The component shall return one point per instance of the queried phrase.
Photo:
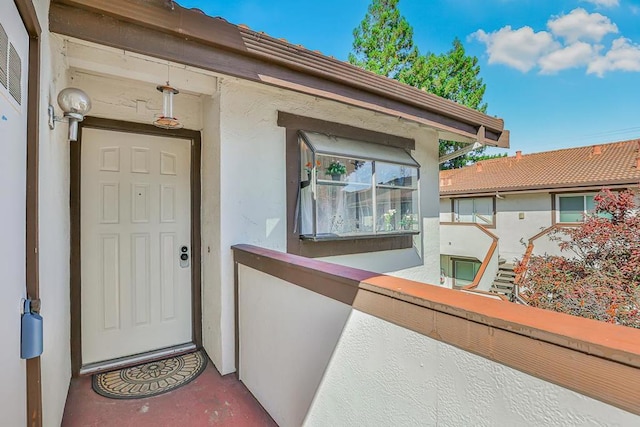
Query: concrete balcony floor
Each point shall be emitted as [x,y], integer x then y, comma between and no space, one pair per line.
[209,400]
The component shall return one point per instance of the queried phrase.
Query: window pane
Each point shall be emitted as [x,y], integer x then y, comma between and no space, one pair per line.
[344,169]
[464,210]
[396,175]
[397,209]
[483,210]
[465,272]
[571,208]
[344,209]
[591,207]
[306,195]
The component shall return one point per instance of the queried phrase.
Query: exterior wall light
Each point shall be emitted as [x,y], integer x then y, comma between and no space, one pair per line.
[166,120]
[75,104]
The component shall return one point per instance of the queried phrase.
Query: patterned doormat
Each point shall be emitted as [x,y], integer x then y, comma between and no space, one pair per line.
[150,379]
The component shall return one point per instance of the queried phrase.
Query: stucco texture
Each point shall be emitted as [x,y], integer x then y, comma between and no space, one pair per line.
[384,375]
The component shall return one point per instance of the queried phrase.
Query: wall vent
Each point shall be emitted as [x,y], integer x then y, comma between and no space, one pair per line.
[15,74]
[4,50]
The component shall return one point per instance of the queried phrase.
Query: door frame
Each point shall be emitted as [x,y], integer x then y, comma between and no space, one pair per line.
[75,207]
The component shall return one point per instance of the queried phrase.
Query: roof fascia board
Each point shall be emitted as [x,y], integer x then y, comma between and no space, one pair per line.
[560,188]
[266,60]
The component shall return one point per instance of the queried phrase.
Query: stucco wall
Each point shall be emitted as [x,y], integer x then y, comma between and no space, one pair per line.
[288,334]
[536,208]
[54,235]
[252,193]
[383,374]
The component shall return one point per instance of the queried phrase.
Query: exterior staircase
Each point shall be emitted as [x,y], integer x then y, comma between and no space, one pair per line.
[503,284]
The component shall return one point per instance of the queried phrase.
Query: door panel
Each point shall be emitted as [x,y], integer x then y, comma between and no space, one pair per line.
[135,218]
[14,48]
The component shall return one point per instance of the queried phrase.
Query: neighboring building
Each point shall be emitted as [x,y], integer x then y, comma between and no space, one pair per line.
[516,198]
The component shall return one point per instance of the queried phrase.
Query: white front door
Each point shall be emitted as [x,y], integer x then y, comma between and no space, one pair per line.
[135,226]
[14,53]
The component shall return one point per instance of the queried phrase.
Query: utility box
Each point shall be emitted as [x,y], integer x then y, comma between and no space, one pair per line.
[31,334]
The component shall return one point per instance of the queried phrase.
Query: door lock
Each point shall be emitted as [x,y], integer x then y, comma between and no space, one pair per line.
[184,256]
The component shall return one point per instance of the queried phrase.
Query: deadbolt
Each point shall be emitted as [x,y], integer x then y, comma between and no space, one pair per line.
[184,256]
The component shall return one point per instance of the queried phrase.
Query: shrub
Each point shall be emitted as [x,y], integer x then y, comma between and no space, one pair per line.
[601,280]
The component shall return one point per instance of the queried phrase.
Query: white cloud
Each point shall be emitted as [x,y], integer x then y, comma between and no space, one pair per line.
[581,25]
[573,40]
[572,56]
[604,3]
[624,55]
[519,48]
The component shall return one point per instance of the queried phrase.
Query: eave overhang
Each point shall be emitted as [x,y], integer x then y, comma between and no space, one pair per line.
[547,188]
[164,30]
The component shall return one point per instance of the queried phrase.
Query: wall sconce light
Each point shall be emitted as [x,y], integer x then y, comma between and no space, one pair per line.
[75,104]
[166,120]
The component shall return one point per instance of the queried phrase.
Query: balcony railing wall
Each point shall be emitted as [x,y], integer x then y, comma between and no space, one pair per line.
[322,344]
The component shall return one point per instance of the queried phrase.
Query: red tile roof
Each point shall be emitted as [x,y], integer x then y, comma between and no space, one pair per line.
[595,165]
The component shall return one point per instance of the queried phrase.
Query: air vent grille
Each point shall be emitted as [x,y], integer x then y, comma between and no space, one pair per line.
[15,74]
[4,45]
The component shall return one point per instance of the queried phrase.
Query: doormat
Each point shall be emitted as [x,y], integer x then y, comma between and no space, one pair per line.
[150,379]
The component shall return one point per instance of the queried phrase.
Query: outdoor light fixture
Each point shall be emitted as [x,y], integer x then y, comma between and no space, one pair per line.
[166,119]
[75,103]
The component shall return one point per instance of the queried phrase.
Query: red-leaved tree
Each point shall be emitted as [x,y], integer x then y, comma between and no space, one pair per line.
[600,277]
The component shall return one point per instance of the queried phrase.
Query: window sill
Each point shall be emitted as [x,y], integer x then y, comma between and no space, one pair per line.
[320,246]
[380,235]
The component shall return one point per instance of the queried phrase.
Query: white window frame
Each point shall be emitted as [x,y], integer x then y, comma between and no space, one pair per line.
[375,153]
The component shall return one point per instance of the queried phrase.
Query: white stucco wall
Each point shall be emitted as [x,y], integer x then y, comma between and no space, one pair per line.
[211,249]
[288,335]
[383,374]
[252,193]
[536,208]
[54,234]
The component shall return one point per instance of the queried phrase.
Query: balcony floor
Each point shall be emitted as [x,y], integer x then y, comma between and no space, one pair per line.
[209,400]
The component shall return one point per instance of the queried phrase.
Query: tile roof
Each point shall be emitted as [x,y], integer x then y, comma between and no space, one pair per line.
[594,165]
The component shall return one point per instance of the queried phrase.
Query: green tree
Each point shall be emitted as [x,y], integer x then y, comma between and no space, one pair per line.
[452,75]
[383,42]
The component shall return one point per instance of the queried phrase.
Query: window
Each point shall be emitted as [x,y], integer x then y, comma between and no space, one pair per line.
[352,188]
[479,210]
[464,271]
[573,207]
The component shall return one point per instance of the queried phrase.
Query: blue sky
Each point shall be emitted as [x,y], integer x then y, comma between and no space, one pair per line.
[561,73]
